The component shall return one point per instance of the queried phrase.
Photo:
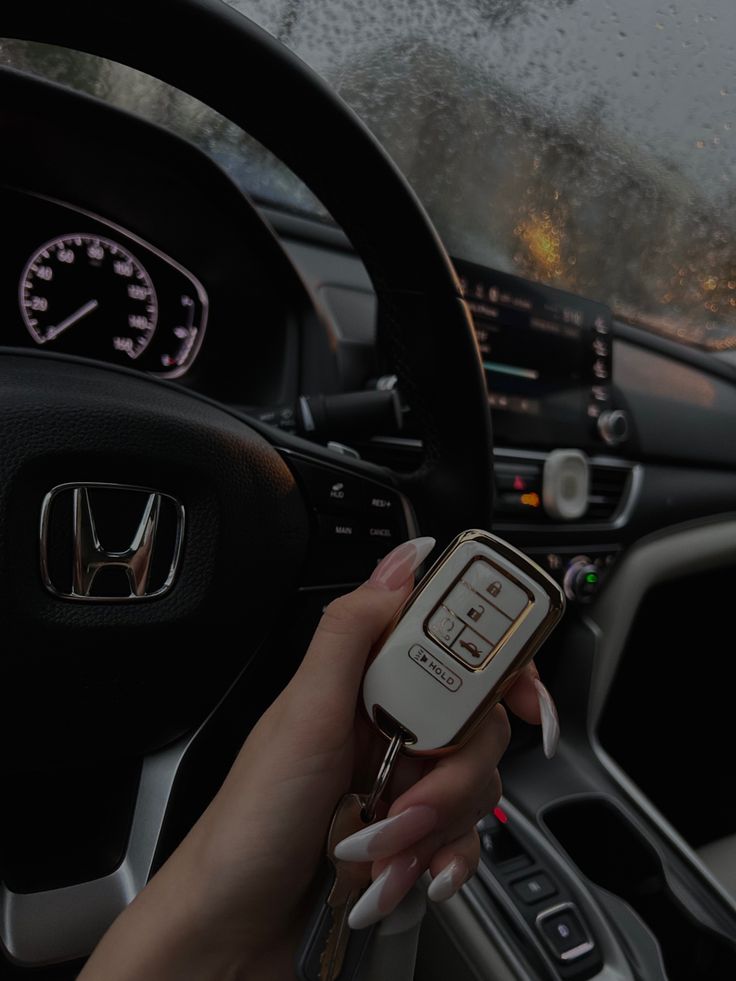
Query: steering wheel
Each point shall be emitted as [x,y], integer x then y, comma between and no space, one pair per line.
[70,424]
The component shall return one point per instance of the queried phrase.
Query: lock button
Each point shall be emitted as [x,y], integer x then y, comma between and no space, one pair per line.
[488,582]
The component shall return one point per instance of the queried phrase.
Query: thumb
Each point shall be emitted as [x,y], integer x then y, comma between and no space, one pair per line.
[329,677]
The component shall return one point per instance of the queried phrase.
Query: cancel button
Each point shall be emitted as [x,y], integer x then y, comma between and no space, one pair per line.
[436,668]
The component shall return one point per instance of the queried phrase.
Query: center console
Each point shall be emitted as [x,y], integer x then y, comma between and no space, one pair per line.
[585,873]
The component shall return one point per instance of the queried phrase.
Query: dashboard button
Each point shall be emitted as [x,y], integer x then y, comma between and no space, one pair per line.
[337,492]
[382,533]
[520,479]
[613,426]
[339,528]
[383,503]
[331,490]
[534,888]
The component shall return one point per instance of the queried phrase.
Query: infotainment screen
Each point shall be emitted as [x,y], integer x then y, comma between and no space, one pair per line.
[546,356]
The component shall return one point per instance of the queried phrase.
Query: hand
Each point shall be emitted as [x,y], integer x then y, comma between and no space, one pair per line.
[232,900]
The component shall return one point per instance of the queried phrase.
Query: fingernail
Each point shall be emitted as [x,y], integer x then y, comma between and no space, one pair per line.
[395,568]
[447,882]
[385,894]
[550,720]
[389,836]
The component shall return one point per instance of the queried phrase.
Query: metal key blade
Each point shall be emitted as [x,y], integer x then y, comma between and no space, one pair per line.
[351,878]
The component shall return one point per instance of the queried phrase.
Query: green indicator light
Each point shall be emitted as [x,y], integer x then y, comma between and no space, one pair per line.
[592,578]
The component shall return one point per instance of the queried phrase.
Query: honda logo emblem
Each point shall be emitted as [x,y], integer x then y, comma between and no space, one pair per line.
[110,542]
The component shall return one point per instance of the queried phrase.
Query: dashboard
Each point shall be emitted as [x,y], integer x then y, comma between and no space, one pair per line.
[546,355]
[134,248]
[86,286]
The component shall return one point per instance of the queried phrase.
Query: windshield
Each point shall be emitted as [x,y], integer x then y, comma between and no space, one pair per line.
[586,144]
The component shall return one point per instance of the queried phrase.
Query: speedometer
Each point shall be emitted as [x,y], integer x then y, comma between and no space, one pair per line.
[88,295]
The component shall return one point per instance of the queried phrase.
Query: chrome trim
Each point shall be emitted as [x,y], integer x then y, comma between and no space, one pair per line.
[307,417]
[63,924]
[89,557]
[570,955]
[198,287]
[667,556]
[343,449]
[58,925]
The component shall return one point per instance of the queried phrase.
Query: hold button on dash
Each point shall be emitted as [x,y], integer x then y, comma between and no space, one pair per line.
[435,668]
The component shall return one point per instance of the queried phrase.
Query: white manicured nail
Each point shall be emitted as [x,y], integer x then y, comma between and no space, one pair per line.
[550,720]
[447,882]
[385,893]
[395,568]
[388,837]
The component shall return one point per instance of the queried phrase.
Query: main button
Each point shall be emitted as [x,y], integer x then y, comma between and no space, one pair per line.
[488,581]
[477,612]
[336,528]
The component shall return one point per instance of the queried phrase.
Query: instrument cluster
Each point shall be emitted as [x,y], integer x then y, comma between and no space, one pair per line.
[88,287]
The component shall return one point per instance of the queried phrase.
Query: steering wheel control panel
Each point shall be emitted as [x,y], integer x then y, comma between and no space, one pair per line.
[357,522]
[460,640]
[547,360]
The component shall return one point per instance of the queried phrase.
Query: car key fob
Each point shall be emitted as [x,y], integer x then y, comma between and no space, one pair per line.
[459,642]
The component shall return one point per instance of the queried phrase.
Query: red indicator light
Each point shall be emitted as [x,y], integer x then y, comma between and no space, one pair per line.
[498,812]
[519,483]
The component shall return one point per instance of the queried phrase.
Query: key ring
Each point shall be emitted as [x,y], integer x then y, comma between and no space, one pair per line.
[382,777]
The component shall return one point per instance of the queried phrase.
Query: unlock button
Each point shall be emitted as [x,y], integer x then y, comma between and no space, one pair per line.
[477,613]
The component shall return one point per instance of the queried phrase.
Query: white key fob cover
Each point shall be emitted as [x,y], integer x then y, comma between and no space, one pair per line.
[459,642]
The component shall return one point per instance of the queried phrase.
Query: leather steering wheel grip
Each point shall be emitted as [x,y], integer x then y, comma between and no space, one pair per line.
[214,53]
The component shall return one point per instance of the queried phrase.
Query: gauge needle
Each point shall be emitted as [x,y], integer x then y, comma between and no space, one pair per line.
[72,319]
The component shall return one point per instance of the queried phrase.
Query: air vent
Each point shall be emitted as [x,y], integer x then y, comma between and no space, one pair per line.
[608,486]
[519,481]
